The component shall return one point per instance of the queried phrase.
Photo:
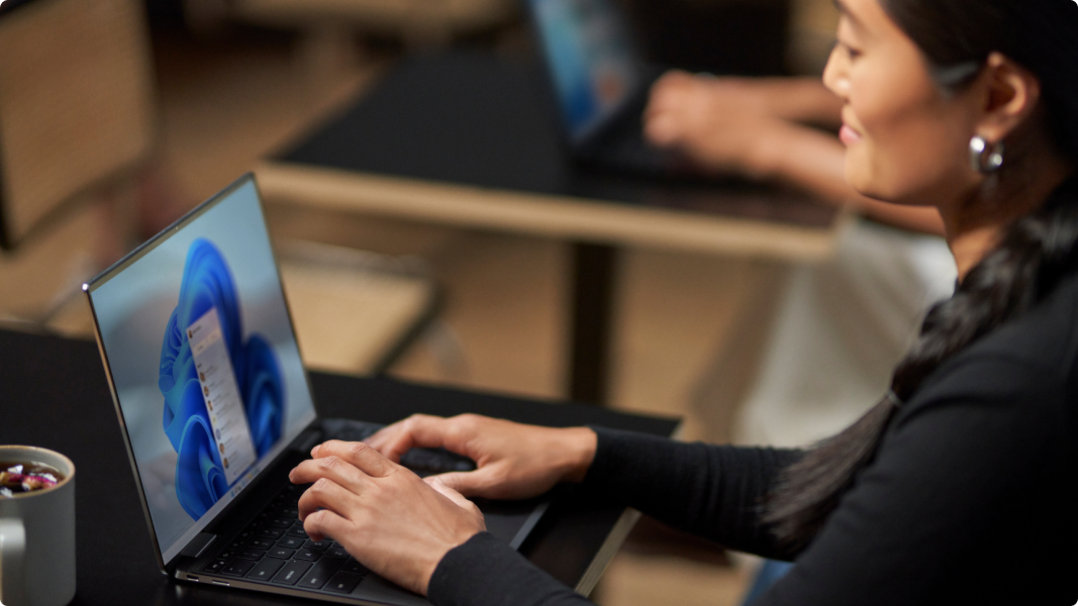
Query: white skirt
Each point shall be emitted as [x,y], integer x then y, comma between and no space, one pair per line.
[838,331]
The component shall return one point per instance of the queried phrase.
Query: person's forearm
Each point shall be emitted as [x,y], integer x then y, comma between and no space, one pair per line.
[708,490]
[802,99]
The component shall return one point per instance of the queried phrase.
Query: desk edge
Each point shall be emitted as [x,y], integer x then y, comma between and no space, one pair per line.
[540,214]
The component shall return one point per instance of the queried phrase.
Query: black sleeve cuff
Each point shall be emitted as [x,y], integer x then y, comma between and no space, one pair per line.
[485,570]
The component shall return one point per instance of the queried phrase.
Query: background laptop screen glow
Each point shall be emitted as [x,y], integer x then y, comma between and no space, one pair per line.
[204,362]
[590,57]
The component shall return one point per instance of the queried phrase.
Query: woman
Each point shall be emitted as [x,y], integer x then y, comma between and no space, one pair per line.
[957,487]
[857,311]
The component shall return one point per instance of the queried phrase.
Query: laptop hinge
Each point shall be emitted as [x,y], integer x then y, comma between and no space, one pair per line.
[198,545]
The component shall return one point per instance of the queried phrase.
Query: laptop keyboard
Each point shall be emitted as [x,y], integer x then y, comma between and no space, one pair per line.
[423,461]
[274,548]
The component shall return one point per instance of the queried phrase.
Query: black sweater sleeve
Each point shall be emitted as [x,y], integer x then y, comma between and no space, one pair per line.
[709,490]
[487,571]
[715,492]
[969,500]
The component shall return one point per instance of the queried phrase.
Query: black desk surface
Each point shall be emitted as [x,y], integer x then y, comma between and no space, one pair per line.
[488,120]
[54,395]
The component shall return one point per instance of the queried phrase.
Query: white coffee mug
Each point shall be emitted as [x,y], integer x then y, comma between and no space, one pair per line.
[37,534]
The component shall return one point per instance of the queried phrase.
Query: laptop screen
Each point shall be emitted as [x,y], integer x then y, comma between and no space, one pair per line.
[203,361]
[591,60]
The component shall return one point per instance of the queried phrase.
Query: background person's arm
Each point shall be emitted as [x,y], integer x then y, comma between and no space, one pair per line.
[767,129]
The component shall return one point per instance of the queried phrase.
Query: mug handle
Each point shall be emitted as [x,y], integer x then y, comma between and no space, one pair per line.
[12,554]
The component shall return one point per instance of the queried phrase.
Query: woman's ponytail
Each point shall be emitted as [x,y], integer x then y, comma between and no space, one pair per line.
[1035,254]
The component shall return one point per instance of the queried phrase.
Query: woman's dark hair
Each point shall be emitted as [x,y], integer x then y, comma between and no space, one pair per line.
[1034,254]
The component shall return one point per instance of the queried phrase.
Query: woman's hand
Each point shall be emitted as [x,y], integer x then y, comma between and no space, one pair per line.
[719,124]
[513,461]
[383,514]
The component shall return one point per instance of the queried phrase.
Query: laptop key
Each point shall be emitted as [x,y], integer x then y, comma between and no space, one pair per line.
[319,574]
[319,546]
[355,566]
[291,542]
[308,555]
[280,553]
[344,582]
[250,554]
[271,534]
[264,570]
[237,568]
[290,573]
[281,524]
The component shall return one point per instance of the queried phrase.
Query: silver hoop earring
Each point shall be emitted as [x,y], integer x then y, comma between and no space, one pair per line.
[985,158]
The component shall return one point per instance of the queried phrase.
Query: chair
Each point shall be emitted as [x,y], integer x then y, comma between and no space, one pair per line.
[354,310]
[418,22]
[76,111]
[77,118]
[328,28]
[79,133]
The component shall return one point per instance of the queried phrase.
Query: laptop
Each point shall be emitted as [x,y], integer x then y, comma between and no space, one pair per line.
[215,408]
[601,86]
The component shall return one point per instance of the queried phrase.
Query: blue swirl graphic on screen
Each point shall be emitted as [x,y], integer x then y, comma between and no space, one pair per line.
[207,284]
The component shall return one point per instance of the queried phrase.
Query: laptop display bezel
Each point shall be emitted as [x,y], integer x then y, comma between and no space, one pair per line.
[588,132]
[166,556]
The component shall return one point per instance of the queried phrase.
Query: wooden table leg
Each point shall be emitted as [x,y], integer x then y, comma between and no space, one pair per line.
[594,280]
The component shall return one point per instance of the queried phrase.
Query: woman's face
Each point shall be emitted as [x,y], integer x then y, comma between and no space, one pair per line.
[906,139]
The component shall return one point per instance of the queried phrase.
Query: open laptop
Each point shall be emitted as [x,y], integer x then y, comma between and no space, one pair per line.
[215,406]
[601,85]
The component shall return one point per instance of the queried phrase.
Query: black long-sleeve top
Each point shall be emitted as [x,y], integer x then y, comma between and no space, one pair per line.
[971,498]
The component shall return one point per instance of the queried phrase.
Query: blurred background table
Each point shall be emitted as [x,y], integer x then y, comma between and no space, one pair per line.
[469,139]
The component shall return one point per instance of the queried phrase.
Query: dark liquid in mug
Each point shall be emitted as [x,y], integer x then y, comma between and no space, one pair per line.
[17,477]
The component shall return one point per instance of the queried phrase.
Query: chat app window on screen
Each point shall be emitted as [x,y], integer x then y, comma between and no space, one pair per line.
[231,432]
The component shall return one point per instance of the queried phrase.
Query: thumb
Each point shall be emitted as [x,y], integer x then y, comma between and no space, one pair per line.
[449,492]
[459,482]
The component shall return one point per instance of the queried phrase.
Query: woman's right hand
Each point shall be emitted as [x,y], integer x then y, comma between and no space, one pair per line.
[513,461]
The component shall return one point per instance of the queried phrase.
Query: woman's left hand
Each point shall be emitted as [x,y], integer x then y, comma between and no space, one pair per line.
[389,519]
